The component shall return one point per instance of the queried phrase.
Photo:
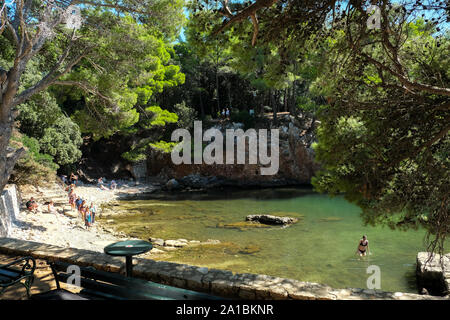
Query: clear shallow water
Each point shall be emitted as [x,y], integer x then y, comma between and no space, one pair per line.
[319,248]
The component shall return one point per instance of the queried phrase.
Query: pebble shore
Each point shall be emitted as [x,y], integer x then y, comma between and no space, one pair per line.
[66,228]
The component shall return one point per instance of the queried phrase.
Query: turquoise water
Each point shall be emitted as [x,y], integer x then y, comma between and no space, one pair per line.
[319,248]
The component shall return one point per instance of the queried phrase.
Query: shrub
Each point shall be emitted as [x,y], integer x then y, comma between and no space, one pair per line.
[62,141]
[33,168]
[244,117]
[186,115]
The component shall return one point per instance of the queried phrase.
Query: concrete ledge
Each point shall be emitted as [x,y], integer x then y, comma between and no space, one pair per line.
[217,282]
[9,209]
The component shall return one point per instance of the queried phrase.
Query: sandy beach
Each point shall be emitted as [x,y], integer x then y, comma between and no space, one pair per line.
[66,228]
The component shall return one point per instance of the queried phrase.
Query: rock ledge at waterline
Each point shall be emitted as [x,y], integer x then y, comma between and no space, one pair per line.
[269,219]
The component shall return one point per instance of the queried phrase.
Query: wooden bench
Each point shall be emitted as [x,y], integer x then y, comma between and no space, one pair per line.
[10,274]
[101,285]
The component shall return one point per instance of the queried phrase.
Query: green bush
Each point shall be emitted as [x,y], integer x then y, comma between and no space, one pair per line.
[34,168]
[62,141]
[244,117]
[186,115]
[33,153]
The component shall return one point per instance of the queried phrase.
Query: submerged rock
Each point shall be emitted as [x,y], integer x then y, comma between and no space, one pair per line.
[242,225]
[250,249]
[269,219]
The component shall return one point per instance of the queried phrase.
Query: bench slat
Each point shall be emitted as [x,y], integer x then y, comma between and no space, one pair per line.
[116,292]
[140,284]
[10,273]
[4,279]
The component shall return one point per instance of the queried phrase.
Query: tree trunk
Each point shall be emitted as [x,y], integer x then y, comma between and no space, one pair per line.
[217,92]
[202,109]
[229,94]
[8,156]
[274,107]
[292,106]
[5,171]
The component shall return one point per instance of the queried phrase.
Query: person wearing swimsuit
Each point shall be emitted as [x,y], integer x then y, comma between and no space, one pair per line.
[363,246]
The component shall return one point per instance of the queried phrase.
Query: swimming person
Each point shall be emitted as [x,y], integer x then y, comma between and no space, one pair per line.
[363,246]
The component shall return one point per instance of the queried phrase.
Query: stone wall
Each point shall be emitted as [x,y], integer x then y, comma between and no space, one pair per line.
[217,282]
[9,209]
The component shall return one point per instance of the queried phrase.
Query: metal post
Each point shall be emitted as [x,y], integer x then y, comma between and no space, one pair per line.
[129,266]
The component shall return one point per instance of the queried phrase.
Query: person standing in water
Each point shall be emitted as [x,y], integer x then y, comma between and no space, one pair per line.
[363,246]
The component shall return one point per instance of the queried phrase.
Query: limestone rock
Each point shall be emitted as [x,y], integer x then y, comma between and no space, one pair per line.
[157,241]
[269,219]
[156,251]
[174,243]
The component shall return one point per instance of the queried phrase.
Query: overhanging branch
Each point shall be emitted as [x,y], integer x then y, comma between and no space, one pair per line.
[249,11]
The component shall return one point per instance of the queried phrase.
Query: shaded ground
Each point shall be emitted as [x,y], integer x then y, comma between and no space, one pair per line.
[43,281]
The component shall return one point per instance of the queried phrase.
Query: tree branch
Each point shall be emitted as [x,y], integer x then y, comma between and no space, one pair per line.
[249,11]
[113,6]
[405,81]
[86,87]
[255,28]
[49,78]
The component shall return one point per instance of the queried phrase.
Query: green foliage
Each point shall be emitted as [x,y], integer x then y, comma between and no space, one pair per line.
[62,141]
[159,117]
[34,167]
[33,150]
[153,118]
[163,146]
[386,148]
[42,120]
[127,67]
[186,115]
[38,113]
[307,104]
[244,117]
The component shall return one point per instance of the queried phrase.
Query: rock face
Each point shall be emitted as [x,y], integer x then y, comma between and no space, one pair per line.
[9,209]
[269,219]
[433,275]
[296,159]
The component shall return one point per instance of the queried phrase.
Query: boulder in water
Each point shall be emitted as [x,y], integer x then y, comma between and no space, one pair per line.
[269,219]
[172,184]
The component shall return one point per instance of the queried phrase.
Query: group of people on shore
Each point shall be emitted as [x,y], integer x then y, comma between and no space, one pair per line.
[101,184]
[86,212]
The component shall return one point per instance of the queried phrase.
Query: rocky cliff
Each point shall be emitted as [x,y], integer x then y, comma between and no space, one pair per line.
[296,159]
